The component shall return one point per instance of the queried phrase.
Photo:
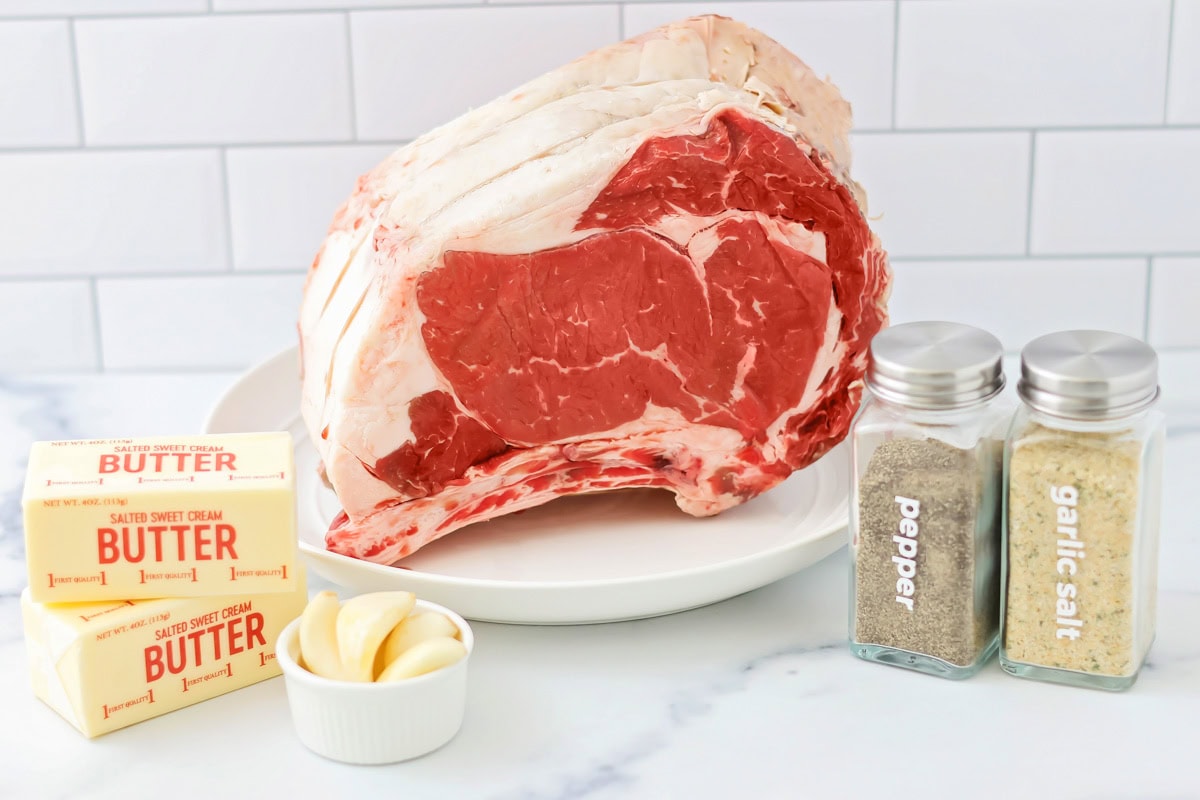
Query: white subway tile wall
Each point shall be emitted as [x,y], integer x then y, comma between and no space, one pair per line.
[416,69]
[208,322]
[1021,63]
[282,198]
[49,325]
[300,5]
[177,80]
[1183,103]
[168,167]
[1175,303]
[1127,191]
[848,41]
[996,296]
[46,8]
[89,212]
[37,85]
[946,194]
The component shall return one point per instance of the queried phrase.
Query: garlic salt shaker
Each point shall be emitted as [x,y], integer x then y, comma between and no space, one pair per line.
[1083,467]
[925,500]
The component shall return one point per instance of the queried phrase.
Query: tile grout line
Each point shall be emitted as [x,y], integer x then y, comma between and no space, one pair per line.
[992,257]
[226,197]
[65,277]
[151,147]
[978,258]
[94,291]
[1029,193]
[350,76]
[135,372]
[620,22]
[1146,304]
[77,77]
[397,142]
[1170,48]
[233,369]
[1130,128]
[337,9]
[895,57]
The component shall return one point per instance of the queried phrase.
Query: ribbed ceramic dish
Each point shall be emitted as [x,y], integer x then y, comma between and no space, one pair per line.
[375,723]
[597,558]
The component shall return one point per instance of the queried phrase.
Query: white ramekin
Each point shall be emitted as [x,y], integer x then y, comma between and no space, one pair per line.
[375,723]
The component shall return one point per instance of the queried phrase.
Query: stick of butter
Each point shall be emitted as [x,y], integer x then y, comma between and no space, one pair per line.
[103,666]
[183,516]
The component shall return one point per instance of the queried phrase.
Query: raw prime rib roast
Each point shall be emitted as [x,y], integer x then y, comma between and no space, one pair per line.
[647,268]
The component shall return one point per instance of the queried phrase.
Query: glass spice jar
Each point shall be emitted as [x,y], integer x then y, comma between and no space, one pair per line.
[1083,471]
[925,500]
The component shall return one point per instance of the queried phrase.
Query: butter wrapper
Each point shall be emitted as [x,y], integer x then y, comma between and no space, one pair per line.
[181,516]
[104,666]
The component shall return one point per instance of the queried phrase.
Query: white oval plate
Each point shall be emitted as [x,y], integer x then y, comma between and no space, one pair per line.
[595,558]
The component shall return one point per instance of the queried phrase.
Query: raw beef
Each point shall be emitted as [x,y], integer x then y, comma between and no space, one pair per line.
[648,268]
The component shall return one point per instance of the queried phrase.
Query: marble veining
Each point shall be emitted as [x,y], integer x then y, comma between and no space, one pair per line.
[34,410]
[754,697]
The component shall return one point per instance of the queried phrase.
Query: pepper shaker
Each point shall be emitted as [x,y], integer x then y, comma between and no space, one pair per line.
[925,510]
[1083,467]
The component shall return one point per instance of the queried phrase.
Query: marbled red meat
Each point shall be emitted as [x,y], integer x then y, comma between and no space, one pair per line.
[646,269]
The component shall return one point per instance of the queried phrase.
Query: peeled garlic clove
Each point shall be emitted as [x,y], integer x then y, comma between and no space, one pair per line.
[318,639]
[413,629]
[422,657]
[362,625]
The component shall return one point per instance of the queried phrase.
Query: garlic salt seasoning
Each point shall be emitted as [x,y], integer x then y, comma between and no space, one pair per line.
[925,507]
[1083,466]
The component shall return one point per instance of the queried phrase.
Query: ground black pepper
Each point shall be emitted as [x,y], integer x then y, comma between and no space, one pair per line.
[954,611]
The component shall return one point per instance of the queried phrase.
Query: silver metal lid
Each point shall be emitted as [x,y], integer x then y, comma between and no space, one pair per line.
[935,365]
[1088,375]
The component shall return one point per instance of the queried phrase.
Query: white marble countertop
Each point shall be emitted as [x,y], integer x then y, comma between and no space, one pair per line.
[754,697]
